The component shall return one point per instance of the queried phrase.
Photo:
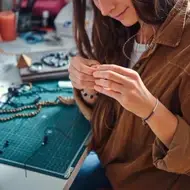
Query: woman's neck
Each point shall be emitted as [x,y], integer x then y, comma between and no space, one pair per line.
[145,33]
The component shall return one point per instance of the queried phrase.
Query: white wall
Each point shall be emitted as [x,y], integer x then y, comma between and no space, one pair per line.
[7,4]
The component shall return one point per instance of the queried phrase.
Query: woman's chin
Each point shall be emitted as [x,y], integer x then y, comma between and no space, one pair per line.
[128,23]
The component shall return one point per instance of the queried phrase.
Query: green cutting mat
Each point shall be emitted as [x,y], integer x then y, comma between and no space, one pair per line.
[67,132]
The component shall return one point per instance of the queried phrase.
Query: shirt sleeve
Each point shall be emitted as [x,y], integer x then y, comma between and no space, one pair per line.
[176,158]
[85,109]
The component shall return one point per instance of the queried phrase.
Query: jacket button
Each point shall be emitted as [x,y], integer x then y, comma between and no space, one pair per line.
[137,65]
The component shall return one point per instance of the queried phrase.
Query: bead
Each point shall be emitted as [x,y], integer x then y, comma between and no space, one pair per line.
[6,144]
[45,140]
[37,106]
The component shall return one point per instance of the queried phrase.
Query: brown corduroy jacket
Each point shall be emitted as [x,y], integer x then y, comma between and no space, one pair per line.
[145,163]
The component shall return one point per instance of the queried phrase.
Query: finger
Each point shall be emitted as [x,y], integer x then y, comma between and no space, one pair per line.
[81,65]
[73,78]
[118,69]
[115,77]
[88,62]
[80,76]
[108,92]
[110,75]
[75,85]
[82,84]
[116,87]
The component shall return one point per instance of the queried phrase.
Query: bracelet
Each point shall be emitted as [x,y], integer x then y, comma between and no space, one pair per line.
[91,96]
[144,121]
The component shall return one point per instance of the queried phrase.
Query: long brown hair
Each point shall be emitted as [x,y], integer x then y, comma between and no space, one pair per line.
[108,38]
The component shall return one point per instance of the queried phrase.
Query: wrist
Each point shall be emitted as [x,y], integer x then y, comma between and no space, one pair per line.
[163,123]
[151,108]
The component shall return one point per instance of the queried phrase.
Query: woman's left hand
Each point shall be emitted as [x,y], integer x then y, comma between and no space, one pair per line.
[126,86]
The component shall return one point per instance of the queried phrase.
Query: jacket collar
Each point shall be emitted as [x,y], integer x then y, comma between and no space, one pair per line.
[170,32]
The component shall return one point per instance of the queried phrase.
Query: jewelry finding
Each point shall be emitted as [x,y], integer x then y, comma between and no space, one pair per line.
[36,67]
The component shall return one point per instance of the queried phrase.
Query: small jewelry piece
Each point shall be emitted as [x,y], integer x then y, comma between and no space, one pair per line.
[58,59]
[144,121]
[132,37]
[91,96]
[36,67]
[6,144]
[45,140]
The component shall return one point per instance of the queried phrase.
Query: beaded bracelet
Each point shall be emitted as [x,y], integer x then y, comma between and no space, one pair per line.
[144,121]
[91,96]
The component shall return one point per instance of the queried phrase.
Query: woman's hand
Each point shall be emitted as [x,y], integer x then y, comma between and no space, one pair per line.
[81,73]
[126,86]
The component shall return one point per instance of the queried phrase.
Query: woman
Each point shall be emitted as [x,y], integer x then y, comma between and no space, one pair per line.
[133,84]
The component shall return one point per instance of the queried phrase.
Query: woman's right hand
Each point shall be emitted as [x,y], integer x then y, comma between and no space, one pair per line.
[81,73]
